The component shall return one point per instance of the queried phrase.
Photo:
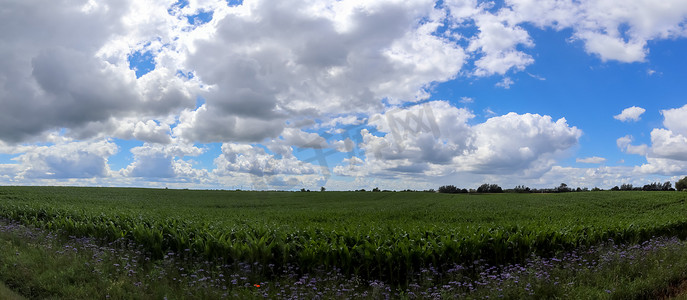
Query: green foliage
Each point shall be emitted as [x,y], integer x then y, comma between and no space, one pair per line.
[681,184]
[489,188]
[376,235]
[451,189]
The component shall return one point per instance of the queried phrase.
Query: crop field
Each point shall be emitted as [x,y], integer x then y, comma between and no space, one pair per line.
[389,236]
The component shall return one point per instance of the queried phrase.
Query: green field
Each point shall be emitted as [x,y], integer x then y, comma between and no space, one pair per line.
[382,235]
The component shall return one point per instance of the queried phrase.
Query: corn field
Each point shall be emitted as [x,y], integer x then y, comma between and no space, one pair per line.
[374,235]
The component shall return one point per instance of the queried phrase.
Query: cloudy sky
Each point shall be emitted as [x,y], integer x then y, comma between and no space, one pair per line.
[344,94]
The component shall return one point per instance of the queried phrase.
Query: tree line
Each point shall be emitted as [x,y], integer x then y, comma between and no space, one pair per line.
[680,185]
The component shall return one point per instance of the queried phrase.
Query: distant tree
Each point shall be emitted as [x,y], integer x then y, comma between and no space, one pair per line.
[626,187]
[615,188]
[322,189]
[448,189]
[303,190]
[596,189]
[483,188]
[681,185]
[563,188]
[521,189]
[489,188]
[376,189]
[667,186]
[657,186]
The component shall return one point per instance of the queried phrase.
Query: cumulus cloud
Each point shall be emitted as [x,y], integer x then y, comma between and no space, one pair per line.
[625,144]
[591,160]
[157,161]
[260,64]
[295,59]
[630,114]
[435,139]
[256,167]
[612,30]
[667,154]
[66,160]
[674,120]
[55,72]
[246,158]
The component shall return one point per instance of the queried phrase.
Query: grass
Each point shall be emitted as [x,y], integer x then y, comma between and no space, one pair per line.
[8,294]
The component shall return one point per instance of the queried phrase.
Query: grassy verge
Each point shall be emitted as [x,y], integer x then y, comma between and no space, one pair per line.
[41,265]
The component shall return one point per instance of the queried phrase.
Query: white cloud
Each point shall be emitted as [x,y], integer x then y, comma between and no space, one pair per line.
[662,166]
[245,158]
[281,61]
[598,24]
[667,154]
[466,100]
[165,162]
[435,139]
[674,120]
[505,83]
[625,144]
[630,114]
[253,166]
[668,144]
[66,160]
[259,65]
[591,160]
[64,66]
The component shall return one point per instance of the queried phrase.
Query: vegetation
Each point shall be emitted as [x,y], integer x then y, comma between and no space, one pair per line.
[681,184]
[489,188]
[451,189]
[372,236]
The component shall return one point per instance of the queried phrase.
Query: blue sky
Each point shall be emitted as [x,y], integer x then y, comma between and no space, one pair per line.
[343,94]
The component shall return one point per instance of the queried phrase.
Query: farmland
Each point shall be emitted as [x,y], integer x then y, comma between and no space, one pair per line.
[385,236]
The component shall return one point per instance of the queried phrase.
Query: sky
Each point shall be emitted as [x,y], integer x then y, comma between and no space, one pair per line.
[350,94]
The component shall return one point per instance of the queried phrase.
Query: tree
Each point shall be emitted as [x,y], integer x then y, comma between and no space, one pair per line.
[376,189]
[626,187]
[489,188]
[521,189]
[449,189]
[322,189]
[615,188]
[681,185]
[563,188]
